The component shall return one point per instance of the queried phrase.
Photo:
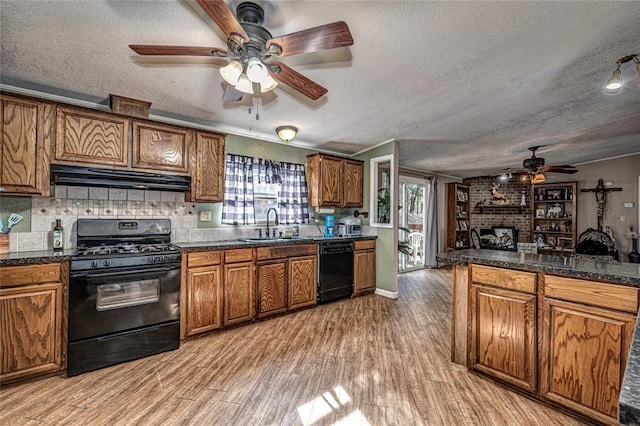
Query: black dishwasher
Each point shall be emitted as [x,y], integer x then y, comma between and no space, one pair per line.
[336,270]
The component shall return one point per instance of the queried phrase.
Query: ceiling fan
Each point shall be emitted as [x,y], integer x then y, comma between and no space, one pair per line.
[535,167]
[251,49]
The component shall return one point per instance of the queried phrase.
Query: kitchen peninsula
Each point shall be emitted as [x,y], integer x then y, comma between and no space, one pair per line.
[556,328]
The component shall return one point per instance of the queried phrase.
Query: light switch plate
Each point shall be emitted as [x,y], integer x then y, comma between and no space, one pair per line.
[205,216]
[628,205]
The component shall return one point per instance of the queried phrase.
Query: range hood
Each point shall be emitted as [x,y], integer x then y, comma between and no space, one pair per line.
[94,176]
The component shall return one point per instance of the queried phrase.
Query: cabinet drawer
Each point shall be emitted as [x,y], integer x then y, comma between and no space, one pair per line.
[238,255]
[278,252]
[203,258]
[612,296]
[504,278]
[364,245]
[29,274]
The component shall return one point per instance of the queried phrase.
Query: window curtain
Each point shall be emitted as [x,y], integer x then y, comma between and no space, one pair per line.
[432,237]
[293,199]
[268,171]
[237,207]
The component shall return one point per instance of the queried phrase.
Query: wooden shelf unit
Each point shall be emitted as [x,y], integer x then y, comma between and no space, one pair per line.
[458,216]
[553,217]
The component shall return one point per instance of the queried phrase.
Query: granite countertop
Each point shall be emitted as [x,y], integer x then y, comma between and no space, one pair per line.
[45,256]
[629,401]
[617,272]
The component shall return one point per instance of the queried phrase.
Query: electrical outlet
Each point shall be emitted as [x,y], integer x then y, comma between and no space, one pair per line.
[623,218]
[205,216]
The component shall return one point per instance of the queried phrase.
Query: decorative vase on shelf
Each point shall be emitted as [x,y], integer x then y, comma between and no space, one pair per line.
[634,256]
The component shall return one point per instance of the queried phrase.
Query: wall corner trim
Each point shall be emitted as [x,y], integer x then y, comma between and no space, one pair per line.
[387,293]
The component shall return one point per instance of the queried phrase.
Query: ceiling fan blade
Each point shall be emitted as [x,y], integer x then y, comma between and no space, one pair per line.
[223,17]
[151,49]
[302,84]
[560,169]
[231,94]
[324,37]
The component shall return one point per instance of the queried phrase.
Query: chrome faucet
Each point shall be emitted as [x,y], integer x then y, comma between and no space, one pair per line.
[275,223]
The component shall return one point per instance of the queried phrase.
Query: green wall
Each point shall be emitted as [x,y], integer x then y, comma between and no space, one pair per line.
[386,255]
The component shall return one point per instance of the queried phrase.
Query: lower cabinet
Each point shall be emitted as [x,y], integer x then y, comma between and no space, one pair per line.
[364,267]
[272,287]
[203,292]
[33,302]
[239,288]
[503,339]
[585,346]
[303,281]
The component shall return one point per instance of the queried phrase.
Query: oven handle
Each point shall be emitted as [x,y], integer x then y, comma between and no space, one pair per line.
[116,274]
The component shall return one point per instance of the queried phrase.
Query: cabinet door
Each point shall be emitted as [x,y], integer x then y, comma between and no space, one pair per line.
[238,293]
[503,335]
[207,183]
[303,282]
[31,331]
[584,355]
[91,137]
[353,182]
[272,288]
[204,299]
[330,189]
[25,145]
[364,271]
[158,147]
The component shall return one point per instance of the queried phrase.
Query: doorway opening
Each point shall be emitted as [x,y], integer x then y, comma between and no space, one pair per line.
[411,223]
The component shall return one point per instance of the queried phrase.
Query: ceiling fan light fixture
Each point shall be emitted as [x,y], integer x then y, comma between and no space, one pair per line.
[231,72]
[256,70]
[538,178]
[267,84]
[287,133]
[245,85]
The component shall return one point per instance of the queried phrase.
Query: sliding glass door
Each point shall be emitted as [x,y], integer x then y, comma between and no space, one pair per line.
[411,236]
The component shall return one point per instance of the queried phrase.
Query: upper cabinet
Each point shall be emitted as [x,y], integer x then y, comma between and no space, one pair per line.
[161,147]
[334,181]
[207,182]
[86,136]
[25,144]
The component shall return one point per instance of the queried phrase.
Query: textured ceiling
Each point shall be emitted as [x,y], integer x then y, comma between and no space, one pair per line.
[465,87]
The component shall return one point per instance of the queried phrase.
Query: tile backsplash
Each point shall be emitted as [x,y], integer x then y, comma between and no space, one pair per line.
[71,203]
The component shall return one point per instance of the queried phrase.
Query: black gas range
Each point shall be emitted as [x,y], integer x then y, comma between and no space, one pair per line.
[124,292]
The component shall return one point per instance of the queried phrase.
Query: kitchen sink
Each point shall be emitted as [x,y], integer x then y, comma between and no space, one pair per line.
[274,240]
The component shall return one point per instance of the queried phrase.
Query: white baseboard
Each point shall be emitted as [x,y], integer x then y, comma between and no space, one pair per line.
[387,293]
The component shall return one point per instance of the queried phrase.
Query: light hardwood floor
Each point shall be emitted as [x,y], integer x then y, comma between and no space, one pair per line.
[364,361]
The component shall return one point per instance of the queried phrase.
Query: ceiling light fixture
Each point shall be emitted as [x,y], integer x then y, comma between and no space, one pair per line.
[256,72]
[287,133]
[615,82]
[538,178]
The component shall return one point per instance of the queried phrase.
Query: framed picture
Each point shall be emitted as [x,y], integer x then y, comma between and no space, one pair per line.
[554,194]
[506,236]
[463,225]
[540,213]
[551,241]
[555,210]
[565,243]
[539,240]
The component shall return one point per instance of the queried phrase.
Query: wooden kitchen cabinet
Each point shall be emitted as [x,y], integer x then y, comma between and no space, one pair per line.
[207,180]
[303,281]
[364,267]
[239,288]
[26,130]
[587,332]
[334,181]
[93,137]
[286,278]
[33,304]
[503,325]
[272,287]
[203,304]
[158,147]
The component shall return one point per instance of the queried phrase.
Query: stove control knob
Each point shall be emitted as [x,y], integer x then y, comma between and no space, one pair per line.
[94,263]
[106,263]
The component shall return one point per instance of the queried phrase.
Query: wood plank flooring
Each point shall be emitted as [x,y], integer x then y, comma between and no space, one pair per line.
[364,361]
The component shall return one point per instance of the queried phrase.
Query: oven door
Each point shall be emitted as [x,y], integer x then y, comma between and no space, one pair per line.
[112,301]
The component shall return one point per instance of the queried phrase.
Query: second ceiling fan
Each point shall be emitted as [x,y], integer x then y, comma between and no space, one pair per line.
[251,49]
